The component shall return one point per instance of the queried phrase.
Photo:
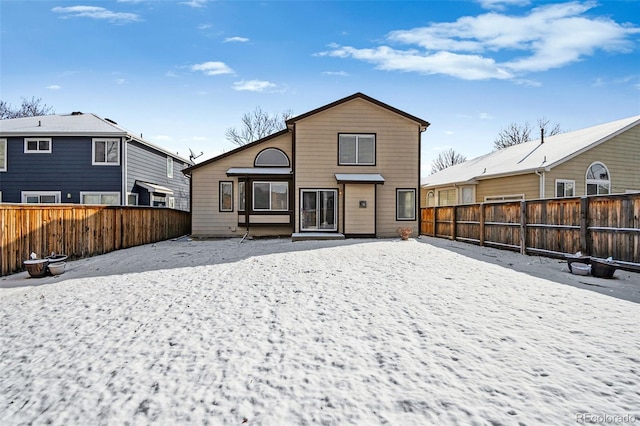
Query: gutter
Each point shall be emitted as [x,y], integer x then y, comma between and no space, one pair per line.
[124,196]
[542,181]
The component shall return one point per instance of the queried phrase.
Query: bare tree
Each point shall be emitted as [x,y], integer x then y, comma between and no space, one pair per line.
[516,134]
[28,108]
[446,159]
[257,124]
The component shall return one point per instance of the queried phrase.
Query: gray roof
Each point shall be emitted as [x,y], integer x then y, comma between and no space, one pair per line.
[531,156]
[75,124]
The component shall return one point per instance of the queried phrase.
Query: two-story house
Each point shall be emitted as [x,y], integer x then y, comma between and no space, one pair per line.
[349,168]
[84,159]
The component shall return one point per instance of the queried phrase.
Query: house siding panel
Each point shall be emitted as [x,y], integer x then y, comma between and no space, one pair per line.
[67,169]
[359,220]
[528,184]
[621,155]
[149,165]
[397,155]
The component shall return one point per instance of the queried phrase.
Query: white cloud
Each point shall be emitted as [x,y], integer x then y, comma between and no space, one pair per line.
[212,68]
[204,26]
[54,87]
[120,81]
[235,39]
[485,116]
[195,3]
[499,46]
[95,12]
[338,73]
[502,4]
[252,85]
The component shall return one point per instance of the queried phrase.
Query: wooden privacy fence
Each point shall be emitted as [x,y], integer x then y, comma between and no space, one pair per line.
[600,226]
[81,231]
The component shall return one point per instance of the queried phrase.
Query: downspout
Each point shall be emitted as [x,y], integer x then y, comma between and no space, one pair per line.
[542,182]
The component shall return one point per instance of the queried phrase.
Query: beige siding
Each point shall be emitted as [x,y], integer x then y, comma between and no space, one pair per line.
[397,156]
[621,155]
[528,184]
[359,220]
[206,218]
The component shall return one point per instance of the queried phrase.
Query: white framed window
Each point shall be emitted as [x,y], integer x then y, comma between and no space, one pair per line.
[357,149]
[108,198]
[171,202]
[598,180]
[3,155]
[406,204]
[447,197]
[158,200]
[499,198]
[169,167]
[431,199]
[565,188]
[105,152]
[41,197]
[132,199]
[271,196]
[467,195]
[37,145]
[226,196]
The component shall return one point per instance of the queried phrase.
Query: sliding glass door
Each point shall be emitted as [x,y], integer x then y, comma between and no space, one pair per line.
[319,210]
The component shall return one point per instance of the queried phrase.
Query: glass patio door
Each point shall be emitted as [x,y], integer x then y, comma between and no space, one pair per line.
[319,210]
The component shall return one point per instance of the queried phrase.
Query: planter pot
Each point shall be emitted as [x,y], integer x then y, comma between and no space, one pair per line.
[56,258]
[603,269]
[585,260]
[57,268]
[36,267]
[581,269]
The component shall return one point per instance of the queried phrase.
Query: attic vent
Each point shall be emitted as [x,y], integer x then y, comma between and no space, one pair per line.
[76,113]
[111,121]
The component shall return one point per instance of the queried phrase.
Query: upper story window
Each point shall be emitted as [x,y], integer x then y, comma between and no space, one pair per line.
[598,181]
[169,167]
[37,145]
[3,155]
[357,150]
[271,157]
[106,152]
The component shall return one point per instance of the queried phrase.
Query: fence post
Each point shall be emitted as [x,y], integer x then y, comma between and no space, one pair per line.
[584,225]
[453,225]
[523,227]
[435,221]
[482,224]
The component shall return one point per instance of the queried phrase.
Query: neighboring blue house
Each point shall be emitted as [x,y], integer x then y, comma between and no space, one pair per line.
[84,159]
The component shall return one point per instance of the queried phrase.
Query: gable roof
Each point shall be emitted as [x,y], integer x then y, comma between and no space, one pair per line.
[74,124]
[358,95]
[531,156]
[293,120]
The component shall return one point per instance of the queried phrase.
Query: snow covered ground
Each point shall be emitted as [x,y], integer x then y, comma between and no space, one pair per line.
[321,332]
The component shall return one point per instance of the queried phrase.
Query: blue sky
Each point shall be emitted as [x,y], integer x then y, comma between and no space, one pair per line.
[182,72]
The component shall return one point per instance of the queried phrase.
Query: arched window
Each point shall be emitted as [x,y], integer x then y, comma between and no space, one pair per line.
[598,180]
[271,157]
[431,199]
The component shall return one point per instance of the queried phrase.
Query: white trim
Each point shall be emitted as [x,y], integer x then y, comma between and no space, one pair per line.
[152,187]
[4,148]
[83,193]
[0,196]
[93,152]
[38,150]
[56,194]
[171,202]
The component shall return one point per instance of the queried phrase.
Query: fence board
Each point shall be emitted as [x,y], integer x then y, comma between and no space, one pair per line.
[600,226]
[81,231]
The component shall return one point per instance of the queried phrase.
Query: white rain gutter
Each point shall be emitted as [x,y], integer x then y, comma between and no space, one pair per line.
[124,198]
[542,181]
